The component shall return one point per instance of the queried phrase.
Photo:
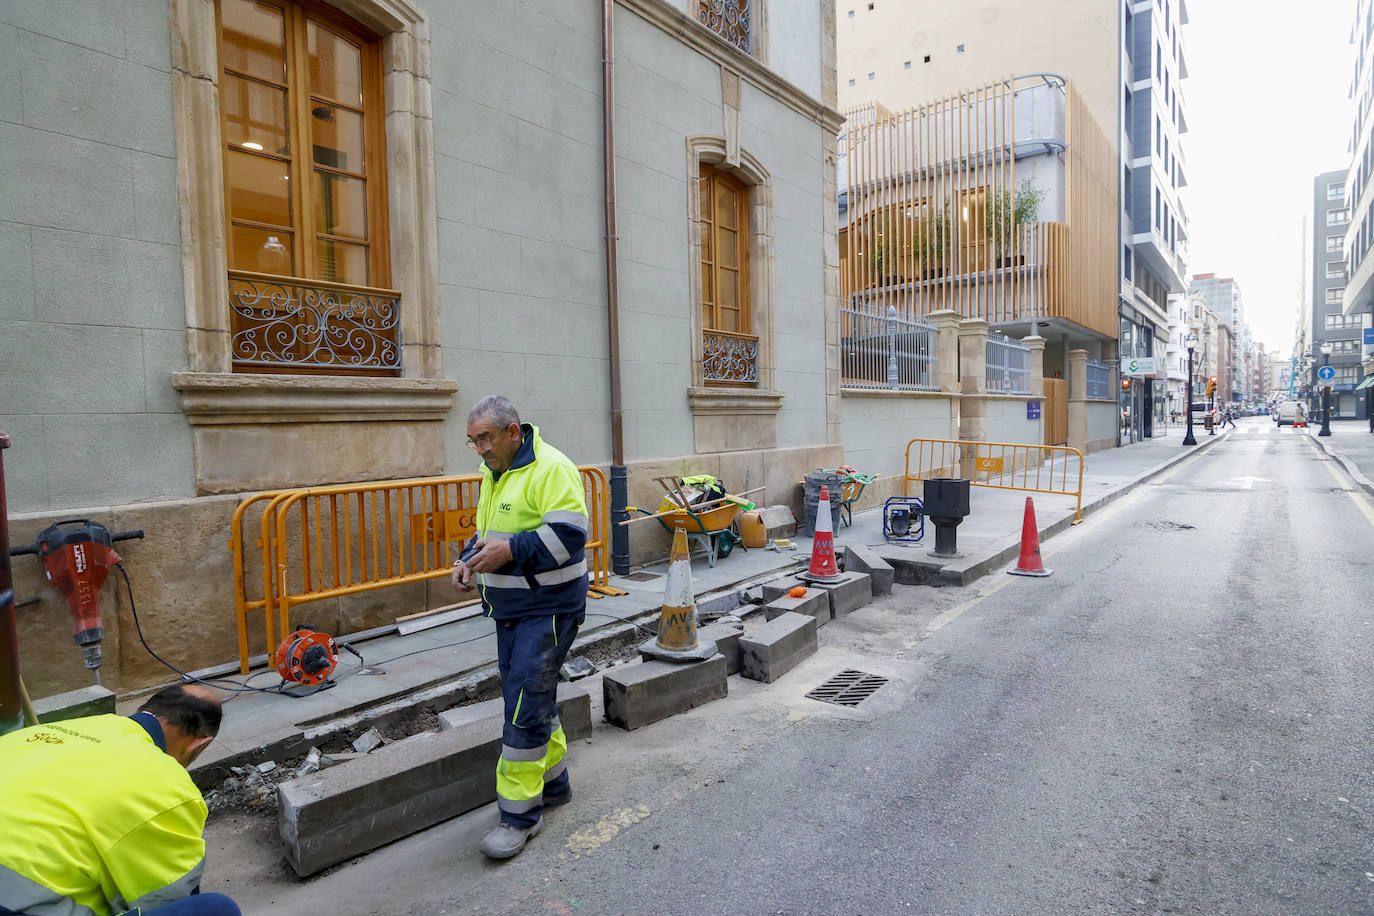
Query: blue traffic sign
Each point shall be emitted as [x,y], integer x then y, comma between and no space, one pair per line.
[1369,337]
[1326,373]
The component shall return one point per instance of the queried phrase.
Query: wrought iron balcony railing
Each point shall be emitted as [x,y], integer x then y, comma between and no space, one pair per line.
[282,323]
[729,359]
[730,19]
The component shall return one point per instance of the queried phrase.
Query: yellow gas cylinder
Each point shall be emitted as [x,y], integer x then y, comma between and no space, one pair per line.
[752,531]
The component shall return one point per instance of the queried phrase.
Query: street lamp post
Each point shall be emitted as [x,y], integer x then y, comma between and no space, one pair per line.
[1326,392]
[1188,438]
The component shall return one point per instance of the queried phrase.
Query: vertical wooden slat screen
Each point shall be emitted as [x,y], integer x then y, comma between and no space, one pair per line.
[912,173]
[1092,286]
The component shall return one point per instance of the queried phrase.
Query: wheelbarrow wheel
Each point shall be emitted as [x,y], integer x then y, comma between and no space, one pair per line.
[725,542]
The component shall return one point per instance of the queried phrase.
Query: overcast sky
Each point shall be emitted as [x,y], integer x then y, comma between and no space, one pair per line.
[1266,96]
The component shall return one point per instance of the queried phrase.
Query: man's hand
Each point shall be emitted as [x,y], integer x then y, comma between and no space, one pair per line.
[461,577]
[490,556]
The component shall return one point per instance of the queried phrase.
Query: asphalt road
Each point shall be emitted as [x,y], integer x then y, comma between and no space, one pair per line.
[1177,721]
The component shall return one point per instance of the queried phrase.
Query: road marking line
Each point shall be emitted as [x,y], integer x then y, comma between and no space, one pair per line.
[1345,483]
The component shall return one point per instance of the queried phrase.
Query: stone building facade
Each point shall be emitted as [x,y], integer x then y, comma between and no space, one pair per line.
[182,178]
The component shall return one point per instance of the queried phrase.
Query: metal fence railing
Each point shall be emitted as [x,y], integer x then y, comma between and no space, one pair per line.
[887,351]
[1099,379]
[323,542]
[1008,366]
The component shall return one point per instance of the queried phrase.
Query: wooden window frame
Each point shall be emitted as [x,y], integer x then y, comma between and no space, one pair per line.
[305,235]
[296,14]
[743,299]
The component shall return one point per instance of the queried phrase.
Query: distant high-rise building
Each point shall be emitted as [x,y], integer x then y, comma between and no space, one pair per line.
[1357,211]
[1331,325]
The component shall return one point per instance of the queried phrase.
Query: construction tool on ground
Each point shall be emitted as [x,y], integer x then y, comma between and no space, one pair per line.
[901,514]
[77,557]
[306,659]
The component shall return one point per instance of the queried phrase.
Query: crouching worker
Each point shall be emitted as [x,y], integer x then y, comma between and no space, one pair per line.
[99,816]
[529,566]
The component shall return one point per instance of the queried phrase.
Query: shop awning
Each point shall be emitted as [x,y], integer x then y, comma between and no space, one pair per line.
[1366,383]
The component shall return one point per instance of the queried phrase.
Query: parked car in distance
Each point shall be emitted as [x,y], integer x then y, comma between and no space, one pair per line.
[1287,413]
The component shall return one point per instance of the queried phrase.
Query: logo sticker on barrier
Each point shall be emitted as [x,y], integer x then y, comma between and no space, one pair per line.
[991,465]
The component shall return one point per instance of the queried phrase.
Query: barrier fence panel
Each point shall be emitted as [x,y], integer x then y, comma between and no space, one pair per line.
[324,542]
[1000,465]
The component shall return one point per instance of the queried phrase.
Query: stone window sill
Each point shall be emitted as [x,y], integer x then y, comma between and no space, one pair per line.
[234,398]
[707,401]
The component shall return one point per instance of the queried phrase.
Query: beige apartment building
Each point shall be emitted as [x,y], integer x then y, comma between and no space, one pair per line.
[907,52]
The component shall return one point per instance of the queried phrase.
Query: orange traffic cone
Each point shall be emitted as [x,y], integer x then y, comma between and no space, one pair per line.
[1030,563]
[677,625]
[823,569]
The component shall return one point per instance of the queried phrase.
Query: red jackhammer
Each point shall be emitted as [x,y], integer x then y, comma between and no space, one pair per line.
[77,556]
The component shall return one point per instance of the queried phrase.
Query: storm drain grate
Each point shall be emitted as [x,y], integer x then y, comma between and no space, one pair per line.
[848,688]
[642,577]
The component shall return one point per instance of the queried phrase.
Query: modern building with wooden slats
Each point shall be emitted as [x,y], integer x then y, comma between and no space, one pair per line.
[996,202]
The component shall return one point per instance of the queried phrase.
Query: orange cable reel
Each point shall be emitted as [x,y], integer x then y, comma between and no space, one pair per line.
[307,657]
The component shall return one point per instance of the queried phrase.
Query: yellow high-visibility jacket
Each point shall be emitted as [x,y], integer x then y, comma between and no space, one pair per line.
[95,817]
[540,506]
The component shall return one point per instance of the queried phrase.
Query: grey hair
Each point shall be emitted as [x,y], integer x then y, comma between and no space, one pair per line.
[496,408]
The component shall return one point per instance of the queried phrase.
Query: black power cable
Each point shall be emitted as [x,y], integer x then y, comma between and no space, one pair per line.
[243,686]
[238,686]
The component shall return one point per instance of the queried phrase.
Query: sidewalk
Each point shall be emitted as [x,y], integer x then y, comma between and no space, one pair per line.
[1352,445]
[433,669]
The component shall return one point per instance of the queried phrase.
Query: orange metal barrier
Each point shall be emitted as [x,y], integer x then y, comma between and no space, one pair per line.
[323,542]
[1000,465]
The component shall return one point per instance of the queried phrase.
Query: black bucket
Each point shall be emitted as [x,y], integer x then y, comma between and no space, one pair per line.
[811,496]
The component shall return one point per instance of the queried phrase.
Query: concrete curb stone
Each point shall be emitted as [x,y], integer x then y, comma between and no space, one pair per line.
[775,648]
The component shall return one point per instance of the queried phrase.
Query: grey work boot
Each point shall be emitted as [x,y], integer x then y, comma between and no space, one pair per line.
[506,840]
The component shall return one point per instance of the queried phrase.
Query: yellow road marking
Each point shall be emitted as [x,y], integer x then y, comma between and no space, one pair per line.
[589,839]
[1345,483]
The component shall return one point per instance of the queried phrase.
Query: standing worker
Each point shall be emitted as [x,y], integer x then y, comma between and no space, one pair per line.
[100,815]
[530,570]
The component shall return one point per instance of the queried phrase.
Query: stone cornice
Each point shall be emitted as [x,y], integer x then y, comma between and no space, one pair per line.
[707,400]
[675,22]
[230,398]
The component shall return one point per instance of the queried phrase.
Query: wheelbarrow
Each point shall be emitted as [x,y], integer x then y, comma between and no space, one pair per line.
[851,489]
[712,527]
[711,524]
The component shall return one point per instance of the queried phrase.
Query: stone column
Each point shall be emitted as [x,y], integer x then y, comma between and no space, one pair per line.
[1037,364]
[946,323]
[973,383]
[1078,399]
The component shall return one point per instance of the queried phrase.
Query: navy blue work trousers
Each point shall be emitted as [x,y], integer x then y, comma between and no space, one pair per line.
[529,652]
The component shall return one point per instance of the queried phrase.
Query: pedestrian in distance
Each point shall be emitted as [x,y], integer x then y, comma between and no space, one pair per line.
[528,565]
[1228,416]
[100,815]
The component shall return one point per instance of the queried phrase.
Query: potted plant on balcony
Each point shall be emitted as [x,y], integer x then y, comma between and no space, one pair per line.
[1008,218]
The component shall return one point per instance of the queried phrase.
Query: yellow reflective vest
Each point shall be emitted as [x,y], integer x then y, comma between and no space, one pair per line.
[95,818]
[540,506]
